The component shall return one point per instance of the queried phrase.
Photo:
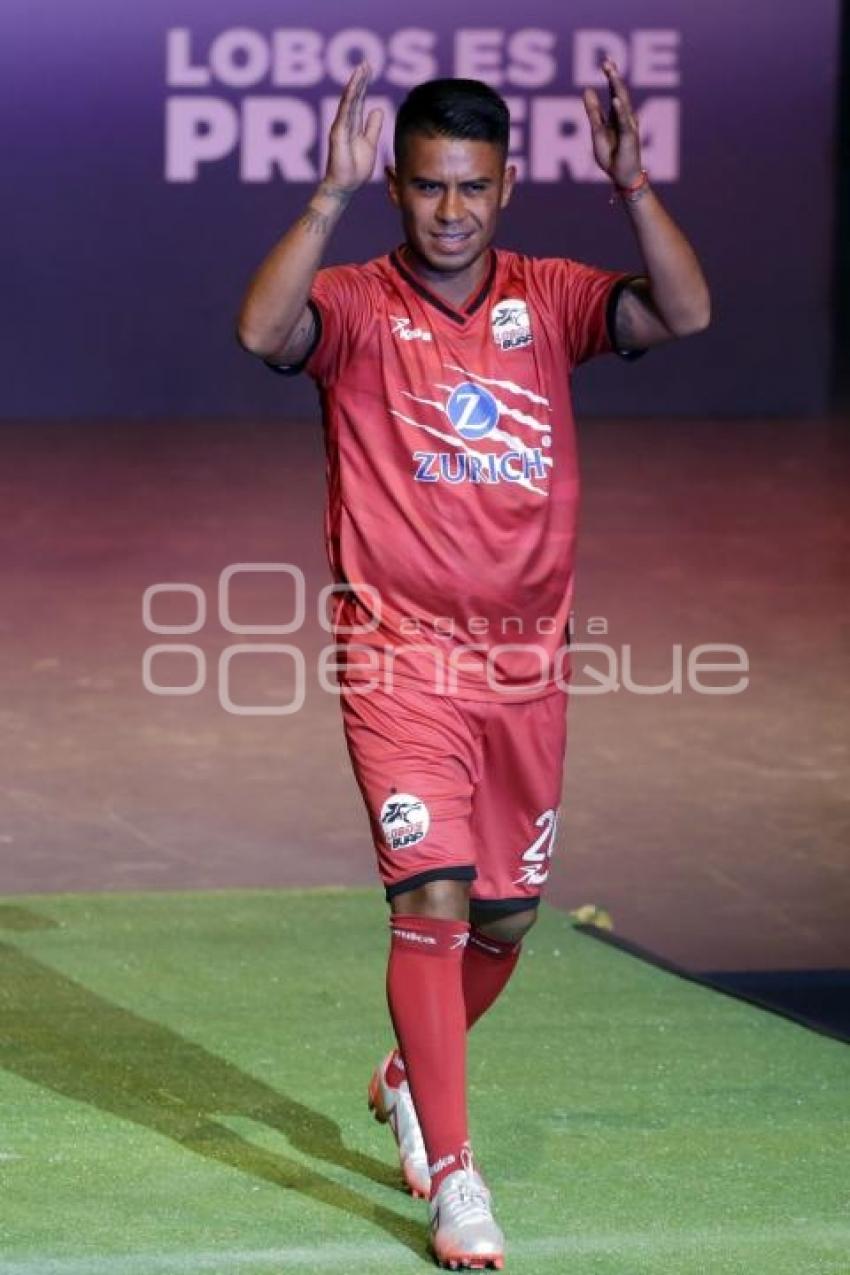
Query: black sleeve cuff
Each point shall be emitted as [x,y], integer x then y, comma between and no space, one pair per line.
[611,318]
[292,369]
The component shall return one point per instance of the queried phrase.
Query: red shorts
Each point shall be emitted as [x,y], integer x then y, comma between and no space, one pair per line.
[459,789]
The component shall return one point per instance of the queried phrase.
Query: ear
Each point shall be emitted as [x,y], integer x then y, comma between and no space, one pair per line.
[392,185]
[508,183]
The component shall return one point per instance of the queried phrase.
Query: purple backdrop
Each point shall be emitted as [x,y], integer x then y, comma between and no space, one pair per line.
[156,151]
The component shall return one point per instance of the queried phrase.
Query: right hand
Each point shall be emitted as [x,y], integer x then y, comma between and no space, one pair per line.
[353,146]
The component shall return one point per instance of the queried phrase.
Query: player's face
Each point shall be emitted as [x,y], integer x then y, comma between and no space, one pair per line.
[450,193]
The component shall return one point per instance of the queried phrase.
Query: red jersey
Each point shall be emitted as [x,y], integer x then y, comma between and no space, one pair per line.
[453,484]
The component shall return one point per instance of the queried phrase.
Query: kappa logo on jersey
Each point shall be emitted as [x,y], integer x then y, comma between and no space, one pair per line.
[402,329]
[405,820]
[511,324]
[536,859]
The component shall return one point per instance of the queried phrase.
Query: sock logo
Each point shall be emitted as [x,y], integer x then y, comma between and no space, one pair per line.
[494,949]
[443,1163]
[413,936]
[405,820]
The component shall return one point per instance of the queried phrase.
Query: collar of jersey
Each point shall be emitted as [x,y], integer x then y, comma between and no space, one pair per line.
[458,316]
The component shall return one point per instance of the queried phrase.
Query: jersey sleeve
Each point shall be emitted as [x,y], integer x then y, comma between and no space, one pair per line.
[591,299]
[342,305]
[585,301]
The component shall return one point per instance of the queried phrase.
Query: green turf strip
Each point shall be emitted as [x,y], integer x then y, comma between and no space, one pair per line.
[183,1090]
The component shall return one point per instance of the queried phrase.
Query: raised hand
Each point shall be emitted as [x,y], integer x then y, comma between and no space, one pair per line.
[353,144]
[616,144]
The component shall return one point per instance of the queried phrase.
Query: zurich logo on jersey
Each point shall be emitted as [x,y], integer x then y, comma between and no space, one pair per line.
[473,411]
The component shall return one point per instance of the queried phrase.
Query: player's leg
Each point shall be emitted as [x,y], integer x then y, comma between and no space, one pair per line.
[515,826]
[491,956]
[413,760]
[425,992]
[508,927]
[519,758]
[429,931]
[416,760]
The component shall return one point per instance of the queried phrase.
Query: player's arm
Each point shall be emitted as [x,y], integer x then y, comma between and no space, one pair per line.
[275,322]
[672,300]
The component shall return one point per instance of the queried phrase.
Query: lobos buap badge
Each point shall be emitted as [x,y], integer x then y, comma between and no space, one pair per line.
[510,324]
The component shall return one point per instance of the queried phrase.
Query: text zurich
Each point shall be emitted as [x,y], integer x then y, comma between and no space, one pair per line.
[465,467]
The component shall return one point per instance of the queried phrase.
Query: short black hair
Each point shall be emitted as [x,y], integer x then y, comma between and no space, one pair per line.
[466,109]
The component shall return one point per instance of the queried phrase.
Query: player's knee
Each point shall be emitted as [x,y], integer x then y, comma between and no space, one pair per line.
[510,928]
[448,900]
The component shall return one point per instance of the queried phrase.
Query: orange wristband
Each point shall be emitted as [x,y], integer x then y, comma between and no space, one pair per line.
[630,193]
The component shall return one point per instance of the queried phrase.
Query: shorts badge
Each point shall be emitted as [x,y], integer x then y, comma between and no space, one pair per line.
[405,820]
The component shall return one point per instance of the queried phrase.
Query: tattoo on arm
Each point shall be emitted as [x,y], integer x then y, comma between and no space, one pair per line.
[315,223]
[318,223]
[339,193]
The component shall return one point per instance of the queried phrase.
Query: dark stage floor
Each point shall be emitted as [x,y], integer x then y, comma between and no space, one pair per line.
[714,829]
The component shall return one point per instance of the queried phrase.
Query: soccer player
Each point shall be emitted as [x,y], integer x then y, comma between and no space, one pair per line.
[444,372]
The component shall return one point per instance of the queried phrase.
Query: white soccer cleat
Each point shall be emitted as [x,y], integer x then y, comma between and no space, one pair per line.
[464,1235]
[395,1108]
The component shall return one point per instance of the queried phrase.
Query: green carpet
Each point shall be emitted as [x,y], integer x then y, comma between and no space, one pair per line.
[183,1090]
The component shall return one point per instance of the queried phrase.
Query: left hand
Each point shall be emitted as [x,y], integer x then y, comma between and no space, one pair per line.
[616,144]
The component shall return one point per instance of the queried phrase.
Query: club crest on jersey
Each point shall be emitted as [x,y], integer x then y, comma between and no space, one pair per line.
[511,324]
[405,820]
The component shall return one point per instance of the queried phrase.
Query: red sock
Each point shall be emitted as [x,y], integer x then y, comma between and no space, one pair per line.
[487,966]
[425,994]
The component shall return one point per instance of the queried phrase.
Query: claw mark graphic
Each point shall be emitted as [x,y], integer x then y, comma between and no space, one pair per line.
[503,385]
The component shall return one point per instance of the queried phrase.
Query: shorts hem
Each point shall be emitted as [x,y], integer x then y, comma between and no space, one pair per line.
[505,905]
[451,872]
